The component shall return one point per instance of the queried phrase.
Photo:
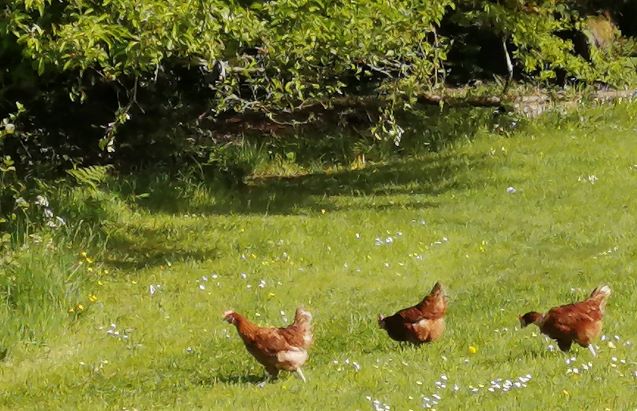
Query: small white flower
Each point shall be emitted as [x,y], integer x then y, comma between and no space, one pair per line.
[41,201]
[511,190]
[202,287]
[244,275]
[48,213]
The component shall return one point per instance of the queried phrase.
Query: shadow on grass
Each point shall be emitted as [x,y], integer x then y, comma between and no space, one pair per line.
[402,183]
[297,195]
[233,379]
[405,184]
[141,247]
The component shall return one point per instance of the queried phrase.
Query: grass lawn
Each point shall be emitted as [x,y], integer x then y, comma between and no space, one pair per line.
[348,245]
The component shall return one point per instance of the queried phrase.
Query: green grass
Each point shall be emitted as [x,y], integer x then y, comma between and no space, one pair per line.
[313,240]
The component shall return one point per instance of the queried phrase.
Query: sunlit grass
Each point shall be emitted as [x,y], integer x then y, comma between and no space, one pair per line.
[354,243]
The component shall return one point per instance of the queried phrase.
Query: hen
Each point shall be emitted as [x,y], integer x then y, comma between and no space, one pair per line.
[276,348]
[421,323]
[579,322]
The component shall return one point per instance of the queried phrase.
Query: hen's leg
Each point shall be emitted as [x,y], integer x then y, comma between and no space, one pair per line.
[266,380]
[564,345]
[270,374]
[300,374]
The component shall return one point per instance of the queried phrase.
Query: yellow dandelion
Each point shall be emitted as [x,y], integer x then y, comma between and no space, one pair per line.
[90,270]
[92,298]
[133,281]
[270,295]
[566,393]
[89,260]
[322,211]
[83,254]
[100,283]
[80,307]
[253,256]
[105,271]
[473,349]
[71,310]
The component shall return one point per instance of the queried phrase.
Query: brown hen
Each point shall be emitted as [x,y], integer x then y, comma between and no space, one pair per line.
[421,323]
[579,322]
[276,348]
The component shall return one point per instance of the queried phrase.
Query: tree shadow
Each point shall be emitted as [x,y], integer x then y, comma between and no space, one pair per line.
[140,247]
[296,195]
[232,379]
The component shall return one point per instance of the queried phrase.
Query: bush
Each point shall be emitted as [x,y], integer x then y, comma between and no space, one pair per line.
[133,83]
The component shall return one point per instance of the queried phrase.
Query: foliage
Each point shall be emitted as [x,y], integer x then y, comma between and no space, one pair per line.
[144,83]
[90,176]
[219,57]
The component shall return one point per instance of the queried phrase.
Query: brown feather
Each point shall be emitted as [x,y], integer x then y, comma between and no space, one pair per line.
[424,322]
[275,348]
[579,322]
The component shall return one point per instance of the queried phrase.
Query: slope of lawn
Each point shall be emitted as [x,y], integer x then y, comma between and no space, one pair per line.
[508,223]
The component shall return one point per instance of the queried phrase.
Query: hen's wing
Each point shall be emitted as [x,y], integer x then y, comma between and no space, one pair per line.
[575,321]
[267,341]
[432,307]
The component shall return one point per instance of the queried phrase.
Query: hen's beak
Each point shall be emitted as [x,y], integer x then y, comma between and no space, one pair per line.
[522,322]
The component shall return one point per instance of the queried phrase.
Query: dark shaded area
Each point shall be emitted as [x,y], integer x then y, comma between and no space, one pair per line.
[156,249]
[233,379]
[303,194]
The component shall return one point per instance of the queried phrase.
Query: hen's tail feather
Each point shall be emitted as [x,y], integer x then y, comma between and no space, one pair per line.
[435,303]
[303,320]
[600,295]
[601,291]
[437,289]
